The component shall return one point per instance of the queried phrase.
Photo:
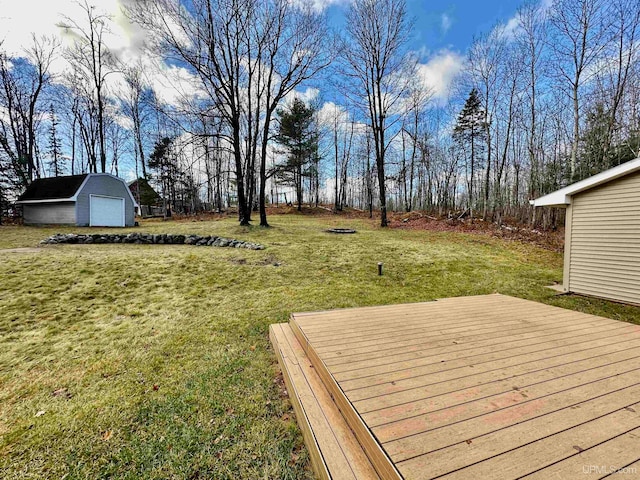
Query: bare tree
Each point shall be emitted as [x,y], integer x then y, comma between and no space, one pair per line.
[485,60]
[85,122]
[579,34]
[295,51]
[378,66]
[134,106]
[417,99]
[94,61]
[621,55]
[22,82]
[530,35]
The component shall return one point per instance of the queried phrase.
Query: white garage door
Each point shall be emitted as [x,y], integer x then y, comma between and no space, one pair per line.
[106,211]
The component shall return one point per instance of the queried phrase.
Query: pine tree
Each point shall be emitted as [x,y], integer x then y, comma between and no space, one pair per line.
[298,136]
[54,148]
[470,134]
[161,161]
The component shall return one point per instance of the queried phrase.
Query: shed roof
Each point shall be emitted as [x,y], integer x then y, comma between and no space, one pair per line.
[54,188]
[562,197]
[62,189]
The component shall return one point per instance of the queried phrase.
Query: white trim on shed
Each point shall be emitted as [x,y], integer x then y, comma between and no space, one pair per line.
[562,197]
[82,185]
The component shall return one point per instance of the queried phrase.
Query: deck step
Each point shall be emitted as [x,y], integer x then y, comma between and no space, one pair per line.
[335,452]
[382,464]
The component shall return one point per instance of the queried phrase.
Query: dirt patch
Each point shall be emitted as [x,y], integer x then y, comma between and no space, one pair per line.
[269,260]
[21,250]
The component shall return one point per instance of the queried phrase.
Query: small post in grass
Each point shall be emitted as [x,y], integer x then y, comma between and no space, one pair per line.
[379,268]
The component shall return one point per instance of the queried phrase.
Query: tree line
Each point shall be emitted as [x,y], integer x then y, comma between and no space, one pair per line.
[544,100]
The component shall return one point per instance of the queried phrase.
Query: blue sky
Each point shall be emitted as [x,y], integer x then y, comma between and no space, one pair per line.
[446,24]
[464,19]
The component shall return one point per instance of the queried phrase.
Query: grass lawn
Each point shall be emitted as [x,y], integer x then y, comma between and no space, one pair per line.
[153,361]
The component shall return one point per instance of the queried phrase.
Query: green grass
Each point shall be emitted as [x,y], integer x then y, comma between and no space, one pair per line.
[164,353]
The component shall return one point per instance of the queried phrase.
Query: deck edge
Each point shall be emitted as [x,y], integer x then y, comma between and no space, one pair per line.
[317,460]
[334,449]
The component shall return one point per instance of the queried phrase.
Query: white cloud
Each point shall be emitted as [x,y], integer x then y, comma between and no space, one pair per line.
[318,5]
[330,112]
[445,22]
[512,25]
[173,84]
[440,71]
[22,19]
[308,96]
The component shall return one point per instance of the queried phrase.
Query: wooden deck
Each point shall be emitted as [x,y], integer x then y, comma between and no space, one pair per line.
[480,387]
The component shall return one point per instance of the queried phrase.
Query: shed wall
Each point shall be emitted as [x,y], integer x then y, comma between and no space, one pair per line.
[108,186]
[62,213]
[604,254]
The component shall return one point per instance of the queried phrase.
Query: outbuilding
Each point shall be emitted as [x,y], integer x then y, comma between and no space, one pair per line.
[602,233]
[88,200]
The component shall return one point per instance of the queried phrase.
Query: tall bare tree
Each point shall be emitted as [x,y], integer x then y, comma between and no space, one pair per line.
[580,32]
[94,62]
[485,59]
[623,52]
[378,67]
[418,97]
[295,51]
[135,107]
[530,37]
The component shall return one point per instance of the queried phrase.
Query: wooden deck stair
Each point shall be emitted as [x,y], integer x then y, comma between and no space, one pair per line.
[335,452]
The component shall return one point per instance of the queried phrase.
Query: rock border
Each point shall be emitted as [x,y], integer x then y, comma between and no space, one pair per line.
[150,239]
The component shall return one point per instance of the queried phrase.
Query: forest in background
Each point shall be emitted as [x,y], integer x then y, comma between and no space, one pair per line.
[549,98]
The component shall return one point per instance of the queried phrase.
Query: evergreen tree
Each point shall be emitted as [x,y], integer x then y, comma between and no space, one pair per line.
[145,193]
[470,134]
[298,136]
[54,148]
[161,161]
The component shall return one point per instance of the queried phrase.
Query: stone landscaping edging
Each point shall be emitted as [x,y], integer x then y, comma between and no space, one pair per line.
[149,239]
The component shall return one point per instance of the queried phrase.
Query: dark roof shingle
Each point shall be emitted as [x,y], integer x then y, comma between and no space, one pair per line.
[52,188]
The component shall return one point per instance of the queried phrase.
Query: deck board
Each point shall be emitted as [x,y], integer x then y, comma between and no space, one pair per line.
[486,387]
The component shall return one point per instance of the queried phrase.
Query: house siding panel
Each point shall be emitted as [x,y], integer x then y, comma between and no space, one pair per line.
[103,185]
[62,213]
[605,241]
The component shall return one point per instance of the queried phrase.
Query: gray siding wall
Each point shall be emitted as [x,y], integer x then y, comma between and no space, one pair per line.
[63,213]
[108,186]
[604,254]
